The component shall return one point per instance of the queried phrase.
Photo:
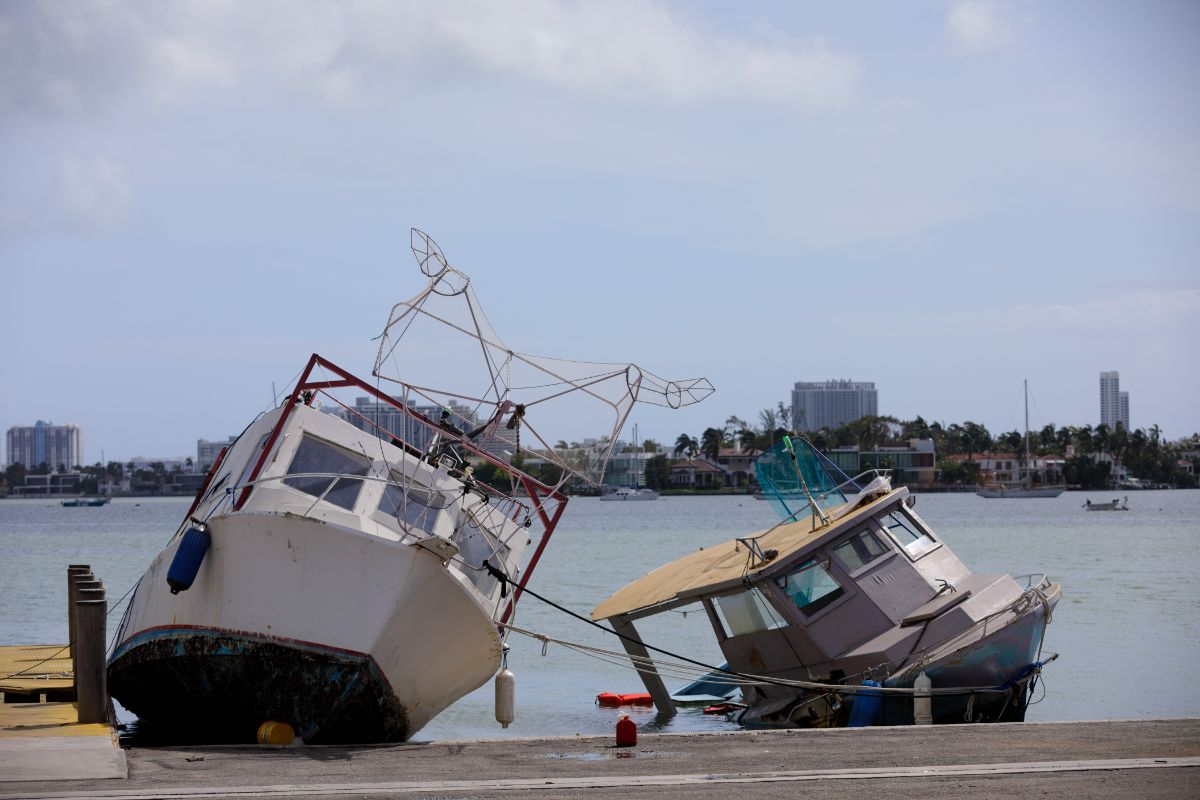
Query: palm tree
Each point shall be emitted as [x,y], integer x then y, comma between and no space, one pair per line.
[916,429]
[1102,438]
[1063,438]
[711,442]
[1082,439]
[1046,439]
[1012,442]
[686,444]
[975,438]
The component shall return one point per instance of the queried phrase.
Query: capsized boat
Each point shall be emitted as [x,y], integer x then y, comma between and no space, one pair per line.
[338,571]
[851,589]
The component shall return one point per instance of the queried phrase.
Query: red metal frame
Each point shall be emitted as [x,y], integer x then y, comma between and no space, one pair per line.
[536,490]
[207,480]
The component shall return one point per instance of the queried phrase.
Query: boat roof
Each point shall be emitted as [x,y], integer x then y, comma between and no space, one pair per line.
[711,570]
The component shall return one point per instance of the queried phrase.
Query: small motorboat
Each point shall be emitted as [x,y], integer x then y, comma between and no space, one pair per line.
[1112,505]
[90,502]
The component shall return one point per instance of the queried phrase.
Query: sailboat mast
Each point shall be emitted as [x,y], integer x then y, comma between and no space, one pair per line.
[1026,427]
[637,460]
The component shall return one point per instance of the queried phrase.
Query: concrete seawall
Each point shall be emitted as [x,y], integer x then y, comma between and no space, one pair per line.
[1146,759]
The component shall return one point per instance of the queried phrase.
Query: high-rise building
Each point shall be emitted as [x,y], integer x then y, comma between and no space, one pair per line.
[375,417]
[60,447]
[828,404]
[1114,404]
[207,452]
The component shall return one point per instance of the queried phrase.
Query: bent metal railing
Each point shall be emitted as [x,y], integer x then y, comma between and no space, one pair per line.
[547,502]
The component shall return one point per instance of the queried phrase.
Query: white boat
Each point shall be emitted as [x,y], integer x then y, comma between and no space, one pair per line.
[1112,505]
[626,493]
[1017,490]
[635,492]
[338,572]
[1024,486]
[849,612]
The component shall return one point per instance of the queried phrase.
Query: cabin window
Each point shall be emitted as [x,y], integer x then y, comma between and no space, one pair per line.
[254,456]
[859,550]
[908,534]
[213,489]
[413,506]
[811,587]
[747,612]
[314,455]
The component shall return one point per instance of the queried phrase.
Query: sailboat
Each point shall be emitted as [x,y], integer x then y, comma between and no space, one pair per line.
[634,492]
[1023,487]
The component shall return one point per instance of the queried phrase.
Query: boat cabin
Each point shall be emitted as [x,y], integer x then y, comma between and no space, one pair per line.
[320,466]
[854,592]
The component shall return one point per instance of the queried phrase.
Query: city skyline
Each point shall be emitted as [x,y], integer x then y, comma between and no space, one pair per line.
[948,198]
[370,412]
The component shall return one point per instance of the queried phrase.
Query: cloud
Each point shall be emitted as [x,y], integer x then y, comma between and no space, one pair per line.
[94,193]
[1144,313]
[64,58]
[976,26]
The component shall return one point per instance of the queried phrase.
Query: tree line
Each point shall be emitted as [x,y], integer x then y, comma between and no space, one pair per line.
[1087,450]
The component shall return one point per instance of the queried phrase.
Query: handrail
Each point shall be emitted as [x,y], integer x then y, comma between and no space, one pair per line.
[495,540]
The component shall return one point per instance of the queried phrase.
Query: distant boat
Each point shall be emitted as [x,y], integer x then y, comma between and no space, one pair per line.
[1112,505]
[629,493]
[1024,486]
[634,492]
[76,502]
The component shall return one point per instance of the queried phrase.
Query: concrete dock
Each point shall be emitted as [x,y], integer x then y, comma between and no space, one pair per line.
[41,737]
[1112,759]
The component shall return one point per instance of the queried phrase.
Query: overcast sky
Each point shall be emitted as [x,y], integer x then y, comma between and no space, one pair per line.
[944,198]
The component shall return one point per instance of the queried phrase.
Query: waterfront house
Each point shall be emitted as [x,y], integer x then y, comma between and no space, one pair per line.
[698,473]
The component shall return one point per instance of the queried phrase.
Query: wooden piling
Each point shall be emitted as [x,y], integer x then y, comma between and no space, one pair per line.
[83,581]
[74,573]
[91,687]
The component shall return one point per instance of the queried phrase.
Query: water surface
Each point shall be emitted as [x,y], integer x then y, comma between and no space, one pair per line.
[1126,627]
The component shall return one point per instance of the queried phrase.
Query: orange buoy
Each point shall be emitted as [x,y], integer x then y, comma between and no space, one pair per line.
[626,732]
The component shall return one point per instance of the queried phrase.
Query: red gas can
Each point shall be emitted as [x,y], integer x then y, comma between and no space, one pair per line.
[626,732]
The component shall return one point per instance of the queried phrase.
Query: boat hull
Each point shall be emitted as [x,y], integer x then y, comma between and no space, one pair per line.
[345,636]
[1003,658]
[222,685]
[1000,659]
[1019,491]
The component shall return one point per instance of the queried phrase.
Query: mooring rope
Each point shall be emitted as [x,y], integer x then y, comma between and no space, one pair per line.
[1030,670]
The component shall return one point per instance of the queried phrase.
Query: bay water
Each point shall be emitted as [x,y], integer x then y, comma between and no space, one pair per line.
[1127,628]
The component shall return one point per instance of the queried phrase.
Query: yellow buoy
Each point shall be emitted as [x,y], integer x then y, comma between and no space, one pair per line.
[275,733]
